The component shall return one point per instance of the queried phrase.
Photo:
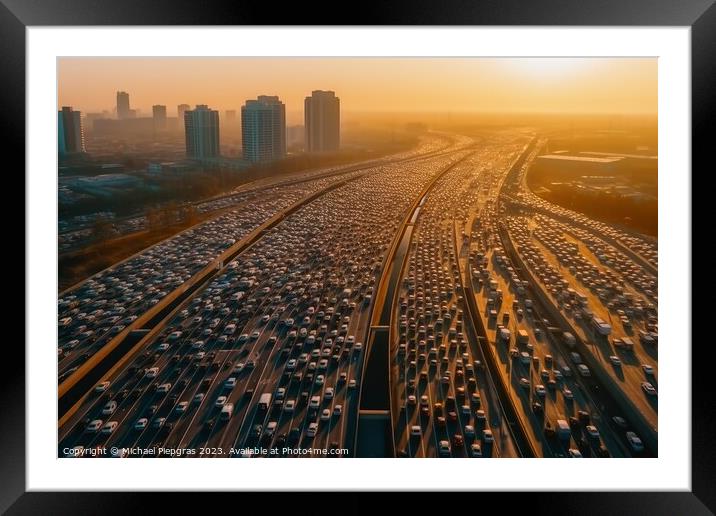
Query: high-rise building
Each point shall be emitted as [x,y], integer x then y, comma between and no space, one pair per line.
[181,108]
[123,105]
[263,129]
[201,126]
[230,116]
[159,113]
[70,135]
[322,117]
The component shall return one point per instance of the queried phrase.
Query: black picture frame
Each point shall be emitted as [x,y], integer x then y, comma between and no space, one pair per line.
[700,15]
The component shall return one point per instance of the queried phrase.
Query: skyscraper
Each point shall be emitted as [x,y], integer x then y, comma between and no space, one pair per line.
[263,129]
[159,113]
[230,116]
[322,116]
[181,108]
[201,127]
[123,105]
[71,137]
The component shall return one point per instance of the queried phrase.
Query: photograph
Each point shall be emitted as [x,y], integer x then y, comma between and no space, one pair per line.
[357,257]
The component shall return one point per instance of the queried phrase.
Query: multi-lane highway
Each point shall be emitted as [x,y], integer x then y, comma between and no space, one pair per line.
[492,301]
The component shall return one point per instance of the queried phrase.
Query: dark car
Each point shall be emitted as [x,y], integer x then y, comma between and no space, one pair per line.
[457,440]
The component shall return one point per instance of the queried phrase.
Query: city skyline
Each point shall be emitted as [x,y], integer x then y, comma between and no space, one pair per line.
[367,85]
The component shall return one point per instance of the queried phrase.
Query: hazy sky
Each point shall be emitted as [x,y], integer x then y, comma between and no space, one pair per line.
[518,85]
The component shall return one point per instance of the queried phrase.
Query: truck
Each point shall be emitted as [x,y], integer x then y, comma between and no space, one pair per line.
[601,327]
[569,339]
[522,336]
[562,429]
[265,401]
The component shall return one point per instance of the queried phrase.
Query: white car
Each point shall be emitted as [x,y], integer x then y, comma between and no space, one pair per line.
[230,382]
[312,429]
[647,369]
[220,401]
[338,410]
[325,415]
[475,450]
[328,393]
[109,427]
[315,402]
[575,453]
[615,360]
[141,423]
[648,388]
[152,372]
[416,431]
[289,406]
[181,407]
[94,426]
[109,408]
[444,448]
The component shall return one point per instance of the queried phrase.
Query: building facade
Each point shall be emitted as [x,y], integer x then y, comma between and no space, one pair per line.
[159,113]
[322,120]
[181,109]
[263,129]
[123,110]
[201,128]
[70,135]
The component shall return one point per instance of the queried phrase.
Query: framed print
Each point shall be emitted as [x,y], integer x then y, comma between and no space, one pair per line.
[391,253]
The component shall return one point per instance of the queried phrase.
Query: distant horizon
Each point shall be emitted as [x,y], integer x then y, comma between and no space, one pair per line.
[370,86]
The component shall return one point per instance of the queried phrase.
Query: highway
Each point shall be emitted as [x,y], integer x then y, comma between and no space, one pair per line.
[269,349]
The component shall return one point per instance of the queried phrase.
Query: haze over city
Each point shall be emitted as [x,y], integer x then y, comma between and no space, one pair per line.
[368,85]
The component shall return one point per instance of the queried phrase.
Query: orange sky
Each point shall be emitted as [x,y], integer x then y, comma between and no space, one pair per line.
[516,85]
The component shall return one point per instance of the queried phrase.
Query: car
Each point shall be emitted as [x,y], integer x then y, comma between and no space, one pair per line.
[568,395]
[315,402]
[620,421]
[152,372]
[469,431]
[291,364]
[540,390]
[487,435]
[109,408]
[319,380]
[648,369]
[101,387]
[416,431]
[475,450]
[352,384]
[109,427]
[199,397]
[615,360]
[141,423]
[524,383]
[164,388]
[220,401]
[444,448]
[634,441]
[328,393]
[181,407]
[312,429]
[158,422]
[537,408]
[575,453]
[458,440]
[289,406]
[592,431]
[338,410]
[648,388]
[325,414]
[230,382]
[94,426]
